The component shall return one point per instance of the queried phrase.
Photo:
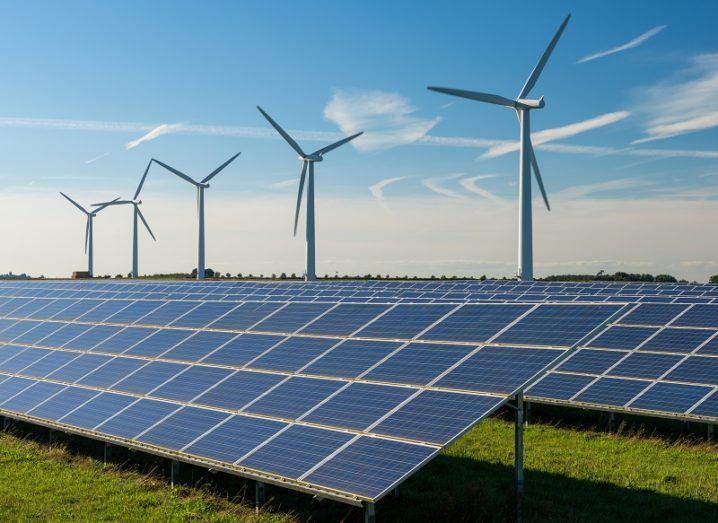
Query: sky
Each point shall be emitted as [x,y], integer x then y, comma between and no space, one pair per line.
[627,142]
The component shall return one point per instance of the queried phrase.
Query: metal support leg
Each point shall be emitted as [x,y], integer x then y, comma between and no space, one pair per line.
[174,472]
[527,413]
[519,456]
[6,423]
[107,455]
[710,433]
[51,437]
[369,513]
[259,496]
[611,422]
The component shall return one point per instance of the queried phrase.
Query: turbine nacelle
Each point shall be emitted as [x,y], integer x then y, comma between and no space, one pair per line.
[526,103]
[311,158]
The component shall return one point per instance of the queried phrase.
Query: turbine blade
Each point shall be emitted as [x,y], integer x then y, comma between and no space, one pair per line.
[533,77]
[175,171]
[142,180]
[474,95]
[218,169]
[73,202]
[139,213]
[106,205]
[537,173]
[116,201]
[333,146]
[87,232]
[294,145]
[299,195]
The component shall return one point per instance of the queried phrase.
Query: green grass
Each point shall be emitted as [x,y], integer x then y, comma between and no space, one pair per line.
[571,475]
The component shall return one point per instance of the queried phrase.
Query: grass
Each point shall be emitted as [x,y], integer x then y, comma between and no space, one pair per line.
[571,475]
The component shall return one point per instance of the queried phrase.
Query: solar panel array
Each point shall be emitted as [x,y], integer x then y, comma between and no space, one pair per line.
[342,399]
[657,359]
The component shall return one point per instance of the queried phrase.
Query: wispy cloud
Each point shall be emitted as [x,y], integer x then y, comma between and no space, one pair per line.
[158,131]
[683,106]
[377,190]
[470,185]
[387,119]
[558,133]
[581,191]
[100,157]
[624,47]
[284,185]
[435,184]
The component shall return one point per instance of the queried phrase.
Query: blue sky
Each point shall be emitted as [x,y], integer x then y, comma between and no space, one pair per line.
[630,130]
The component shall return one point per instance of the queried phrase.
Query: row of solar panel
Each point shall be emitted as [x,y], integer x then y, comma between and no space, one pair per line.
[508,285]
[361,465]
[543,324]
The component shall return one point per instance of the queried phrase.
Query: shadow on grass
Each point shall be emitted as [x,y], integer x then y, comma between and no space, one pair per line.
[449,489]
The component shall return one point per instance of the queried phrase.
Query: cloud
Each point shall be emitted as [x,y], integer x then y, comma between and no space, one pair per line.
[470,185]
[387,119]
[683,106]
[154,133]
[581,191]
[624,47]
[284,185]
[557,133]
[377,190]
[434,184]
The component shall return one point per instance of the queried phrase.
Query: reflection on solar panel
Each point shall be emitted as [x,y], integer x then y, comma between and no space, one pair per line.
[658,359]
[344,400]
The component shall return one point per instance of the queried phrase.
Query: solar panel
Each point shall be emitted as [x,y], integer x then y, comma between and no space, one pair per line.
[306,389]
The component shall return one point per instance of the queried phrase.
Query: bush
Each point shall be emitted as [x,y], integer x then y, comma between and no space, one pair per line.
[713,279]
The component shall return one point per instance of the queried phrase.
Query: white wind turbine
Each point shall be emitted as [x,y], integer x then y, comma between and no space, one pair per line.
[135,215]
[527,159]
[308,161]
[89,230]
[201,186]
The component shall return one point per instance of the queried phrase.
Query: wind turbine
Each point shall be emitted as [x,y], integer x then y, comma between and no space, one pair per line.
[308,161]
[135,215]
[201,186]
[88,227]
[527,159]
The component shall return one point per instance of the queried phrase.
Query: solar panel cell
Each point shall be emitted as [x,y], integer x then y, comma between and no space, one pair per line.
[618,337]
[475,323]
[612,391]
[677,340]
[191,383]
[351,358]
[137,418]
[559,386]
[670,397]
[405,321]
[639,365]
[294,397]
[293,354]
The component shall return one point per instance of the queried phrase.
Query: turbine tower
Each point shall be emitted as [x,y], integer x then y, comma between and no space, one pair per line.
[308,161]
[201,186]
[527,158]
[135,215]
[89,231]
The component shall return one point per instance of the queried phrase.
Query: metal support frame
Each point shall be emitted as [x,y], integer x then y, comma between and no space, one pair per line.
[51,436]
[369,513]
[259,496]
[107,452]
[6,423]
[174,471]
[519,456]
[527,413]
[710,432]
[611,421]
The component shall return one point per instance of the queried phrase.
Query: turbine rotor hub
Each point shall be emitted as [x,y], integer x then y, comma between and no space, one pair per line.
[527,103]
[311,158]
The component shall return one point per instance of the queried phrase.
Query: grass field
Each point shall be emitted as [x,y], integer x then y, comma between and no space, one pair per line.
[571,475]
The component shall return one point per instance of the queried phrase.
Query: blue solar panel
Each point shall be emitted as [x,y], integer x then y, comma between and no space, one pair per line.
[369,466]
[52,361]
[190,383]
[405,321]
[234,438]
[103,311]
[710,348]
[696,369]
[709,406]
[63,402]
[198,346]
[612,391]
[124,339]
[475,323]
[670,397]
[498,369]
[31,396]
[294,397]
[622,337]
[66,333]
[137,418]
[245,316]
[677,340]
[22,359]
[134,312]
[645,365]
[9,387]
[167,313]
[296,450]
[159,343]
[344,319]
[653,314]
[78,309]
[149,377]
[92,337]
[294,353]
[559,386]
[359,405]
[82,365]
[242,349]
[437,416]
[589,361]
[111,372]
[238,390]
[351,358]
[182,427]
[699,316]
[292,317]
[203,315]
[97,410]
[419,363]
[558,326]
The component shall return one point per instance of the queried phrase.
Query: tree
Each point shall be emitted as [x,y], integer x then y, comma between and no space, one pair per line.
[713,279]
